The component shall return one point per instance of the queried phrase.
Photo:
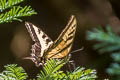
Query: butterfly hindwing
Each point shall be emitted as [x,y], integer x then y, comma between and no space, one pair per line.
[62,46]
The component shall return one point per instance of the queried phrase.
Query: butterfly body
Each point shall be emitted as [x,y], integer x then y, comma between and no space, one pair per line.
[44,48]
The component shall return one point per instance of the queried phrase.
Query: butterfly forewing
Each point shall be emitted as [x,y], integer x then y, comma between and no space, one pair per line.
[62,46]
[42,41]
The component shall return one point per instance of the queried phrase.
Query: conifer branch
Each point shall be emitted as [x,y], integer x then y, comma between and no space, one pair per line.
[15,13]
[13,72]
[5,4]
[109,42]
[52,71]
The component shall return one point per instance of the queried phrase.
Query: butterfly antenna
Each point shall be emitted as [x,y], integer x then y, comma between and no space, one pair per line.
[77,50]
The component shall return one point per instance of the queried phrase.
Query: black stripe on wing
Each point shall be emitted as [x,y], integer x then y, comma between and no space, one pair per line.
[62,34]
[64,41]
[67,27]
[70,44]
[31,30]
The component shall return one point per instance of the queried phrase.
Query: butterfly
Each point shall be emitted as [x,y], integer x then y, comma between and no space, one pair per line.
[44,48]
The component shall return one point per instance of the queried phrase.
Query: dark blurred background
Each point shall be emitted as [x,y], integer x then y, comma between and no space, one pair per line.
[52,17]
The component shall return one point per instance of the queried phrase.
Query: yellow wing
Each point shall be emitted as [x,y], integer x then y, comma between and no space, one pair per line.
[62,46]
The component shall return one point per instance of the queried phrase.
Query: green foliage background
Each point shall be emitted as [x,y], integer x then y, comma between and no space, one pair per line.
[14,12]
[109,42]
[51,71]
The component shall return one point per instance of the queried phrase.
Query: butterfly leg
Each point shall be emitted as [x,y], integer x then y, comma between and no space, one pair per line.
[70,63]
[69,67]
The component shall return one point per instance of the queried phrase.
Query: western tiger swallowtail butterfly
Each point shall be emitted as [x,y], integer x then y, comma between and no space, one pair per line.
[44,48]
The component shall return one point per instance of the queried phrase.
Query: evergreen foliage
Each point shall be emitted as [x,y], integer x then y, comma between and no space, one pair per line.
[109,42]
[5,4]
[13,72]
[51,71]
[10,11]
